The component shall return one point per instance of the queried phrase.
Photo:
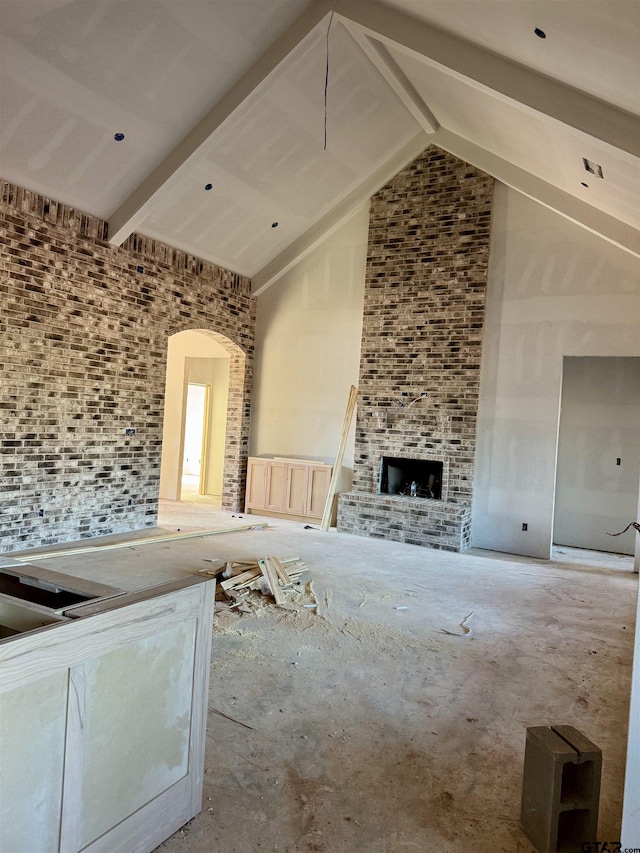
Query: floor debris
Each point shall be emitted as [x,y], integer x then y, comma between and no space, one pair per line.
[227,717]
[265,576]
[465,630]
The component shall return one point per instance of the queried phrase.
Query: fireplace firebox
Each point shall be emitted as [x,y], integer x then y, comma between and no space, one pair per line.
[421,478]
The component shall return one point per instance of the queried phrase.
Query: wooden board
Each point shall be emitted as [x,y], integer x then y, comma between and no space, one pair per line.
[272,579]
[337,468]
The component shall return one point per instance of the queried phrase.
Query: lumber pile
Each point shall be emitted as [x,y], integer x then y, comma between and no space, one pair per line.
[269,575]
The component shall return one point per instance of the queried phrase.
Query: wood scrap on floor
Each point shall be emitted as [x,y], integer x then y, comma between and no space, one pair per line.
[268,576]
[466,631]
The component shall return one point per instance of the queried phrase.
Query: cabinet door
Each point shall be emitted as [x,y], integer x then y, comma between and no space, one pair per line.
[277,486]
[317,489]
[256,494]
[115,708]
[297,482]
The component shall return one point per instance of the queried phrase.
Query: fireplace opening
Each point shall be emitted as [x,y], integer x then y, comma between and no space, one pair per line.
[421,478]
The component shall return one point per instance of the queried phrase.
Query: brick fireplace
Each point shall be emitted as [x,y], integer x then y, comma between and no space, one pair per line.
[425,289]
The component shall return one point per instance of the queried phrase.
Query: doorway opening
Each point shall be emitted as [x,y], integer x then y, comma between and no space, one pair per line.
[598,465]
[203,425]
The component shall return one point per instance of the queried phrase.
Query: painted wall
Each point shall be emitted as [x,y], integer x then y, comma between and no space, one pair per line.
[198,348]
[308,328]
[599,425]
[554,290]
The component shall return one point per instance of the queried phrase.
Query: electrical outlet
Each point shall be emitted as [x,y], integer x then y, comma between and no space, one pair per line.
[618,460]
[525,526]
[130,502]
[41,513]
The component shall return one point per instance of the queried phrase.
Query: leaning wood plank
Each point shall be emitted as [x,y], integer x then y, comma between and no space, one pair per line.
[272,580]
[279,596]
[130,543]
[265,573]
[281,572]
[337,467]
[274,577]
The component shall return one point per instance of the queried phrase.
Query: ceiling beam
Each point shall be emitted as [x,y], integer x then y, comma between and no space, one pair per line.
[132,212]
[339,214]
[488,71]
[397,79]
[613,230]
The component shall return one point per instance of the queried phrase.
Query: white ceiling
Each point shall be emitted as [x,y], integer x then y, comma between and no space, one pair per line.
[232,93]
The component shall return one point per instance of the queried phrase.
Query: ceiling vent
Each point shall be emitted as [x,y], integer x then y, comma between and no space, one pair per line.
[592,167]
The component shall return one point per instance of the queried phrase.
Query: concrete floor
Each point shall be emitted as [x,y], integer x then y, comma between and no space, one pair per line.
[372,731]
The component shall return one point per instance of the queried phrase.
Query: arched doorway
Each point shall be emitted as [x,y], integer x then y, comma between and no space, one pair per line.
[203,419]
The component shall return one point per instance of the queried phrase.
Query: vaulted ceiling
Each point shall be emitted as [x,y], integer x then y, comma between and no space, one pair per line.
[252,128]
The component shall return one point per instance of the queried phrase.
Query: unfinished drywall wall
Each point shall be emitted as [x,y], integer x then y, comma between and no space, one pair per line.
[83,345]
[554,290]
[308,332]
[194,356]
[598,454]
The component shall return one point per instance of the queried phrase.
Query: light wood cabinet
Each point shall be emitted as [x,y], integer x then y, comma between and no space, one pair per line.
[276,489]
[319,480]
[103,711]
[256,494]
[287,486]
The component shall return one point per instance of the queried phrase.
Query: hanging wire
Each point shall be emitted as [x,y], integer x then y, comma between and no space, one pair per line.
[326,78]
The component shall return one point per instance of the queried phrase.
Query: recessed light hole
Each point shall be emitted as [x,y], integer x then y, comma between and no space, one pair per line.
[593,168]
[584,185]
[540,33]
[118,137]
[208,186]
[274,224]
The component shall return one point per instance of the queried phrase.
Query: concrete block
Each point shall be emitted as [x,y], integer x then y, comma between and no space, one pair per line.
[561,789]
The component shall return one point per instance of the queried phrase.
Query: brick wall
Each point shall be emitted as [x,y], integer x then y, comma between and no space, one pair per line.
[423,316]
[83,345]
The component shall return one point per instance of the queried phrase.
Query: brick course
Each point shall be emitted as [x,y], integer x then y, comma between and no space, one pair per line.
[427,258]
[83,345]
